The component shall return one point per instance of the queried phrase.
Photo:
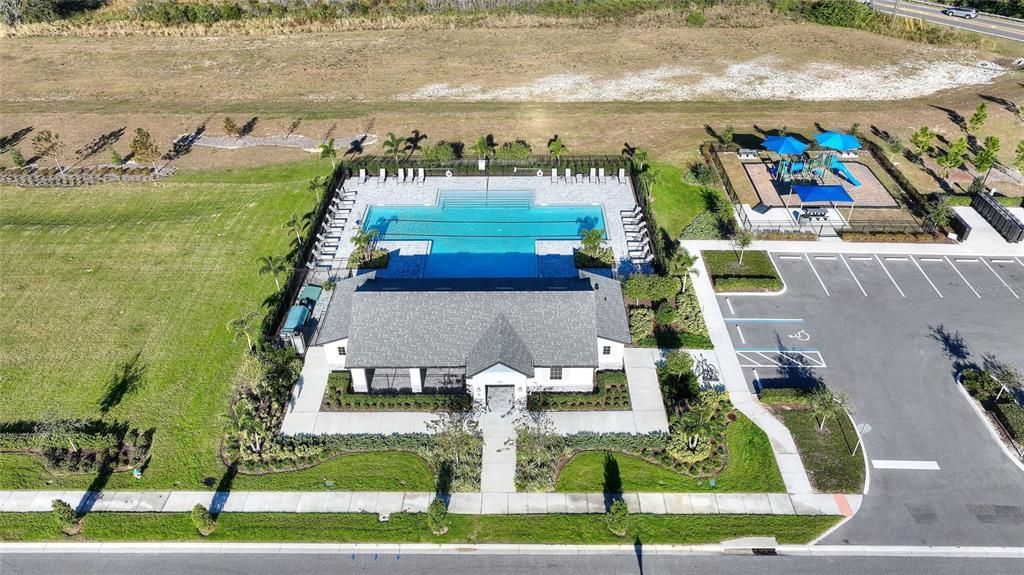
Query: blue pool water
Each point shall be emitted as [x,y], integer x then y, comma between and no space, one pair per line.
[477,234]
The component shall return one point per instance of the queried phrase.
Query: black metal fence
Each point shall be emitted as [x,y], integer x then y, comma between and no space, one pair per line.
[471,166]
[1001,219]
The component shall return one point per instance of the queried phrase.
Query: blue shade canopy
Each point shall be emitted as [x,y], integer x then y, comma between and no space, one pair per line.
[838,141]
[786,145]
[297,316]
[821,194]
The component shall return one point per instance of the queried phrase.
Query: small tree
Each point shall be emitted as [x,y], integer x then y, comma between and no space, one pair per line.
[482,148]
[617,518]
[47,144]
[64,515]
[741,240]
[203,520]
[392,146]
[246,325]
[591,240]
[274,266]
[17,158]
[728,133]
[116,158]
[231,128]
[363,243]
[556,147]
[297,226]
[855,129]
[922,140]
[986,157]
[978,119]
[437,517]
[825,403]
[327,152]
[938,212]
[893,146]
[143,147]
[953,157]
[681,265]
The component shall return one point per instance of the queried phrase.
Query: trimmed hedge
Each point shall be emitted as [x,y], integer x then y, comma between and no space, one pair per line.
[612,393]
[729,284]
[340,397]
[1012,416]
[81,440]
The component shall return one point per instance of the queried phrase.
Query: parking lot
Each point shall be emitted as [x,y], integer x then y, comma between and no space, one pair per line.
[888,329]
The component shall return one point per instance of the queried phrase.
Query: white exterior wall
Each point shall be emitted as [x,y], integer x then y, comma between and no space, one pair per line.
[496,375]
[359,383]
[416,379]
[335,360]
[579,379]
[613,361]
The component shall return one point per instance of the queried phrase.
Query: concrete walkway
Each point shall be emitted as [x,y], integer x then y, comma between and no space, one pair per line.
[498,469]
[982,233]
[648,410]
[460,503]
[307,394]
[975,248]
[731,374]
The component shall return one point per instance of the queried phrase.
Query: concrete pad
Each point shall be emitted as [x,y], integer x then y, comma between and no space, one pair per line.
[118,501]
[465,503]
[756,504]
[781,504]
[21,501]
[632,502]
[389,501]
[284,501]
[576,503]
[827,504]
[537,502]
[494,504]
[363,502]
[731,503]
[678,503]
[805,504]
[652,503]
[556,503]
[184,501]
[417,502]
[152,501]
[326,502]
[518,503]
[704,503]
[596,503]
[43,500]
[235,501]
[73,498]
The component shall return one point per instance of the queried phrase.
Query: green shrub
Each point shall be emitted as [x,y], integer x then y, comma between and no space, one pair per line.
[703,227]
[846,13]
[665,314]
[784,395]
[1012,416]
[641,323]
[116,158]
[439,152]
[203,520]
[651,287]
[437,517]
[980,384]
[65,517]
[17,158]
[518,150]
[617,518]
[702,173]
[688,315]
[696,18]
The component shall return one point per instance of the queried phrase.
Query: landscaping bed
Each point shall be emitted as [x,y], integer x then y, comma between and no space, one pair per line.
[611,393]
[377,260]
[663,315]
[1005,415]
[340,397]
[586,529]
[371,471]
[605,258]
[895,237]
[754,273]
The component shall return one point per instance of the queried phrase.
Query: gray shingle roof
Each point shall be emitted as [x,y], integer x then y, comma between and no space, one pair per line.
[521,322]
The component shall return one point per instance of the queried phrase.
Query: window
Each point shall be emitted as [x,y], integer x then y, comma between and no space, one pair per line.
[606,350]
[341,350]
[556,373]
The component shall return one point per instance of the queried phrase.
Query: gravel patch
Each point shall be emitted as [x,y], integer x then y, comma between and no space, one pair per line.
[294,141]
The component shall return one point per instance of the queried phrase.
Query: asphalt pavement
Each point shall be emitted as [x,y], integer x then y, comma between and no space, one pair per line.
[278,564]
[889,330]
[1003,28]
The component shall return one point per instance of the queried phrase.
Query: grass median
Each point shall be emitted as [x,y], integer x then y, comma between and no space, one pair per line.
[751,271]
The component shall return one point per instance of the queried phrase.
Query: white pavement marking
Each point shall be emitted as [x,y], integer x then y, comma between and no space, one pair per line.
[886,270]
[764,320]
[779,358]
[925,276]
[833,258]
[963,278]
[816,275]
[896,258]
[788,257]
[860,258]
[904,464]
[1000,278]
[740,331]
[853,274]
[924,259]
[729,303]
[1001,261]
[967,260]
[1020,261]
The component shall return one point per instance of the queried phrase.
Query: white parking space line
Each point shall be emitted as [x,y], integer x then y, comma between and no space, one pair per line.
[963,278]
[904,464]
[893,280]
[926,276]
[924,259]
[1020,261]
[1000,278]
[833,258]
[967,260]
[1001,261]
[764,320]
[816,275]
[740,331]
[788,257]
[729,303]
[853,274]
[896,258]
[860,258]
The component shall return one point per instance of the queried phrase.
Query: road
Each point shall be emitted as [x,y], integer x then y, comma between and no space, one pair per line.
[1009,29]
[278,564]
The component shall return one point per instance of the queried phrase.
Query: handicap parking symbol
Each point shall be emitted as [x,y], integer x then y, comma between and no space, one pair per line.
[801,335]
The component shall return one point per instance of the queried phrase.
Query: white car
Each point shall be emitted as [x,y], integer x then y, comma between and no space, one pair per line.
[966,13]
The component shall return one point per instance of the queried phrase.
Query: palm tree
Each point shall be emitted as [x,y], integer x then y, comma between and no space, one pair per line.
[591,240]
[556,147]
[273,265]
[297,225]
[639,158]
[244,325]
[482,148]
[327,151]
[316,185]
[362,241]
[393,146]
[682,265]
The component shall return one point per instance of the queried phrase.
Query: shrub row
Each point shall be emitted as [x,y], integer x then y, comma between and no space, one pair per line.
[893,237]
[80,440]
[1012,416]
[750,284]
[612,393]
[340,397]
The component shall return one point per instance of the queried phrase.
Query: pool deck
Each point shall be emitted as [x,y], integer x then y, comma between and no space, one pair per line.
[612,196]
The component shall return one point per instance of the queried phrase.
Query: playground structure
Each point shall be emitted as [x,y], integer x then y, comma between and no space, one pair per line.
[812,169]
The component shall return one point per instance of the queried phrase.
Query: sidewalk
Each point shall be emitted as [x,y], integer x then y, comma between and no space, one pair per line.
[417,502]
[980,247]
[786,455]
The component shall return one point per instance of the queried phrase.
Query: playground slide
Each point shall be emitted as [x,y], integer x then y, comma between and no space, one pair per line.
[844,171]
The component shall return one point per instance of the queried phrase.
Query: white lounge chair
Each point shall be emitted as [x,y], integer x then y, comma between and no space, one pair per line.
[422,175]
[593,175]
[568,175]
[600,175]
[383,176]
[554,175]
[401,175]
[622,176]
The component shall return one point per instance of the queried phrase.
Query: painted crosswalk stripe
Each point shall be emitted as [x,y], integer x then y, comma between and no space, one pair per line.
[904,464]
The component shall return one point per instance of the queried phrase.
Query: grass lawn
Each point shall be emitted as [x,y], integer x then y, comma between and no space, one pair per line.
[826,454]
[406,527]
[755,273]
[377,471]
[93,276]
[751,468]
[675,202]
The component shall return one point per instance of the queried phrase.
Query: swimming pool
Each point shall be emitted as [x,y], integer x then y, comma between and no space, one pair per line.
[482,234]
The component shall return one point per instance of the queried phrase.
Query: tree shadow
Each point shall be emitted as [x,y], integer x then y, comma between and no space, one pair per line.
[794,371]
[413,142]
[612,480]
[123,383]
[294,125]
[248,127]
[953,116]
[355,147]
[99,144]
[1006,104]
[881,134]
[954,346]
[711,132]
[95,489]
[183,145]
[443,486]
[638,550]
[220,497]
[14,138]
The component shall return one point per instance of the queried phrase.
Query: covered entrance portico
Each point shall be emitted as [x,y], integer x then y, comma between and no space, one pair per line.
[496,381]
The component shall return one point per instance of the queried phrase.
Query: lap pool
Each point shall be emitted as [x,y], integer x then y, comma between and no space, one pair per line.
[478,234]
